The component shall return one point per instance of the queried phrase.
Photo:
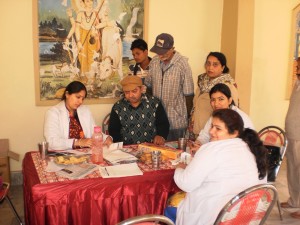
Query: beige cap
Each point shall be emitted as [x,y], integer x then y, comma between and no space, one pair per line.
[131,82]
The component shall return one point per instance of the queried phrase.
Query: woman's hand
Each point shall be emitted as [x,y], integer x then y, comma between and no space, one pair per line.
[83,143]
[181,165]
[194,147]
[108,141]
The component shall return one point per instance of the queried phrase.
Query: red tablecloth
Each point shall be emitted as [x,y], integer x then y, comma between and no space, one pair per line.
[93,200]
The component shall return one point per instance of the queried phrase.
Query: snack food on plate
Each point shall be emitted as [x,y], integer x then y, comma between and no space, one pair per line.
[68,160]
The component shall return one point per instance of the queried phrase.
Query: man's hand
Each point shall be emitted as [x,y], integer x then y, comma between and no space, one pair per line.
[159,140]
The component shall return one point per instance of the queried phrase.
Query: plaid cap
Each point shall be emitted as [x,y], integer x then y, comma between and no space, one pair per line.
[163,43]
[131,82]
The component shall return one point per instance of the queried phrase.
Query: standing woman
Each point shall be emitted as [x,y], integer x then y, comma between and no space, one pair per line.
[69,124]
[216,72]
[233,160]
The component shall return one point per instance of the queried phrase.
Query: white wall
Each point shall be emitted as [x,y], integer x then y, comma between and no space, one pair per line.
[272,30]
[195,25]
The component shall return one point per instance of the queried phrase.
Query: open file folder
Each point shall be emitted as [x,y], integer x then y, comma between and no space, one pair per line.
[123,170]
[118,156]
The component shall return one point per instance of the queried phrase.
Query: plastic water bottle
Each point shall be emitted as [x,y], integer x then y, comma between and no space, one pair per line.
[97,146]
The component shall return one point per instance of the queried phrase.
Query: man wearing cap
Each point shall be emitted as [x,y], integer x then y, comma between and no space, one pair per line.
[170,78]
[137,117]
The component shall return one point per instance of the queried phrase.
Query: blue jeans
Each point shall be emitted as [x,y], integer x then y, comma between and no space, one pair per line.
[171,212]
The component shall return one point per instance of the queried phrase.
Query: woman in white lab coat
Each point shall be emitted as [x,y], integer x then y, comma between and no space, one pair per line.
[232,161]
[69,124]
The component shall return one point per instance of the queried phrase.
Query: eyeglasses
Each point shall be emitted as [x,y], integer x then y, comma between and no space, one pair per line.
[214,64]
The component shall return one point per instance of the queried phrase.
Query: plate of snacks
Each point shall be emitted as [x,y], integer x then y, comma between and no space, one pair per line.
[70,159]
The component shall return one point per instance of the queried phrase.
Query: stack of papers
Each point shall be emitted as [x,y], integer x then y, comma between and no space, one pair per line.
[118,156]
[123,170]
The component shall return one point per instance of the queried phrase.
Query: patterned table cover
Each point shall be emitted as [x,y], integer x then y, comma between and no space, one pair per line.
[50,177]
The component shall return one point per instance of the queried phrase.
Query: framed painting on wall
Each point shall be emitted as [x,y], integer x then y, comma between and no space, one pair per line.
[295,49]
[85,40]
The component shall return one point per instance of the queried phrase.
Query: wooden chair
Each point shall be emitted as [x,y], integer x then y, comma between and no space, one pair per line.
[275,140]
[252,206]
[4,196]
[149,219]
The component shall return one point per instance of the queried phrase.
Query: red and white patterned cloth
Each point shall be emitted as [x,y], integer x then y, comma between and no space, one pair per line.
[50,177]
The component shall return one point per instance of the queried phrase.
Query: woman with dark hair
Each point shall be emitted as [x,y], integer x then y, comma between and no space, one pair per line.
[69,124]
[216,72]
[220,98]
[233,160]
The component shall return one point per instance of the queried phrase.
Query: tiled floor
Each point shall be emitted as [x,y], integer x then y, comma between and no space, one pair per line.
[16,195]
[6,214]
[281,185]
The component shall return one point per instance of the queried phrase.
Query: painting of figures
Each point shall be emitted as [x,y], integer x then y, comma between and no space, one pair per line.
[88,41]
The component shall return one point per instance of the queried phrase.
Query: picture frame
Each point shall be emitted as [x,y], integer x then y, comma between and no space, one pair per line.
[294,50]
[85,40]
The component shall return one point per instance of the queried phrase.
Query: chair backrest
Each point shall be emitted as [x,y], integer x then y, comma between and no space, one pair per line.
[275,140]
[147,219]
[4,191]
[105,124]
[252,206]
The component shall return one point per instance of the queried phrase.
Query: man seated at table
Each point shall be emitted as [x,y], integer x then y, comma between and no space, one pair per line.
[137,117]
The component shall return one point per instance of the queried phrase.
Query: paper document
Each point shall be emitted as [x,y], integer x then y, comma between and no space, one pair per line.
[115,146]
[118,156]
[77,171]
[53,167]
[123,170]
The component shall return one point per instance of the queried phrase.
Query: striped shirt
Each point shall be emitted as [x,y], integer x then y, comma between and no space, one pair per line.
[171,84]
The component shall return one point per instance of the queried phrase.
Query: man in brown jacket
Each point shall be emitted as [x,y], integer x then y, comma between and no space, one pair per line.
[292,128]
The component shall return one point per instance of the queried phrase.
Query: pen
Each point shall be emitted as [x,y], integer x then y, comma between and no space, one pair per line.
[106,171]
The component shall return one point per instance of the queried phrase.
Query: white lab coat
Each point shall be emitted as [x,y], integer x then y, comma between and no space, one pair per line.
[204,136]
[219,171]
[56,126]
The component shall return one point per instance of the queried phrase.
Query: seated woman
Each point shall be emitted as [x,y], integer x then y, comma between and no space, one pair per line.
[233,160]
[69,124]
[220,98]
